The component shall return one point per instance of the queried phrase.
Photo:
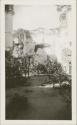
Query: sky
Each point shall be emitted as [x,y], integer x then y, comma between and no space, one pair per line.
[45,16]
[31,17]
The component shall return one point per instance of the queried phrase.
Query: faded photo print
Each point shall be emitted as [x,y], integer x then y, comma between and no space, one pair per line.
[38,62]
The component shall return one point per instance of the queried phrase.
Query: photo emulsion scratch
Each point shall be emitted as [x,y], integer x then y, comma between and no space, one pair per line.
[38,62]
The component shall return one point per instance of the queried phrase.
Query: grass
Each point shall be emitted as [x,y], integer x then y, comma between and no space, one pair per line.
[22,81]
[17,104]
[34,103]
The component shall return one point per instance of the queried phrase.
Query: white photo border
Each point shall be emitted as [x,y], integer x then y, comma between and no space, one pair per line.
[38,122]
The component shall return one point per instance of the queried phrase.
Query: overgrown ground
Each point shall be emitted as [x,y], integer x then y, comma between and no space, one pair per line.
[32,102]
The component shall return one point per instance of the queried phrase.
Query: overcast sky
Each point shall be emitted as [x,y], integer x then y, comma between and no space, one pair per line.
[45,16]
[31,17]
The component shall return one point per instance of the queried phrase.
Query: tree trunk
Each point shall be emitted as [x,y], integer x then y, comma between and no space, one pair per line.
[28,65]
[53,85]
[60,83]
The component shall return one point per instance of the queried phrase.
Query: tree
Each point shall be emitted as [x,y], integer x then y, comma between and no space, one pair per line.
[11,65]
[55,71]
[25,51]
[41,68]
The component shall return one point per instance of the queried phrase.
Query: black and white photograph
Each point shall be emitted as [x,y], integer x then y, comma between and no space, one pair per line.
[38,61]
